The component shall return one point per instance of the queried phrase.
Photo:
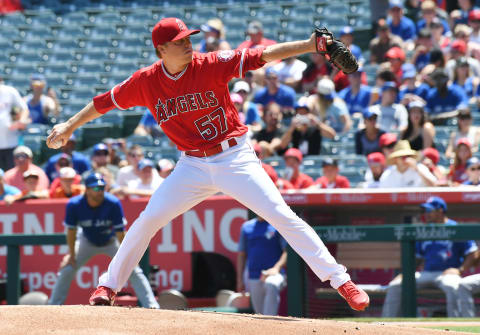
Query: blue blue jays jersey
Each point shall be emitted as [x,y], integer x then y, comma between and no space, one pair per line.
[441,255]
[421,90]
[263,245]
[98,224]
[455,97]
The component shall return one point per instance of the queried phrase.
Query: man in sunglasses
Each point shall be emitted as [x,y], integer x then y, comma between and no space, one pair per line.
[473,172]
[100,217]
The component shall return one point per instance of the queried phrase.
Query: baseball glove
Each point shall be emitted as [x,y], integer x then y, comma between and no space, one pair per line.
[338,54]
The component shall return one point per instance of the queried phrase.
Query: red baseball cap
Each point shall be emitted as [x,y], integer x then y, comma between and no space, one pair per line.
[474,15]
[432,154]
[395,53]
[376,157]
[294,152]
[459,45]
[387,139]
[464,141]
[170,29]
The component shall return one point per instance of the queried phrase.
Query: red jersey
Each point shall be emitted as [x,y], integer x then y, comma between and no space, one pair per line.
[340,182]
[193,107]
[302,181]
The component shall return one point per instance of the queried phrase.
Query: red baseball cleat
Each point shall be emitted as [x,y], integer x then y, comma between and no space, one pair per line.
[103,296]
[355,296]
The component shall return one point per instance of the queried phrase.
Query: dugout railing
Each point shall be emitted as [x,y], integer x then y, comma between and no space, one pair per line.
[406,235]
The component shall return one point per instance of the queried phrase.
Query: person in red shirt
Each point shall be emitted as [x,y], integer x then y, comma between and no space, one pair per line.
[282,184]
[187,93]
[396,57]
[293,160]
[331,178]
[256,39]
[463,151]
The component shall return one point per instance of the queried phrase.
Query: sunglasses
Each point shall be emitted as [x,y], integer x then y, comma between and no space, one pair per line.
[135,155]
[391,145]
[475,168]
[97,188]
[19,156]
[464,117]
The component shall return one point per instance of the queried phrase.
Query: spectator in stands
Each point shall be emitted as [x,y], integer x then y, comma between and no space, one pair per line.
[356,96]
[411,86]
[293,161]
[462,32]
[276,92]
[443,262]
[474,23]
[463,151]
[419,132]
[148,126]
[147,182]
[31,188]
[238,103]
[13,118]
[165,167]
[367,139]
[318,68]
[473,172]
[458,49]
[423,47]
[256,38]
[399,24]
[463,77]
[439,39]
[116,148]
[461,15]
[214,36]
[273,130]
[63,161]
[384,75]
[444,99]
[263,251]
[405,171]
[329,108]
[387,142]
[100,158]
[79,161]
[67,187]
[40,105]
[396,57]
[346,36]
[22,157]
[430,158]
[130,172]
[331,177]
[465,130]
[384,41]
[376,165]
[429,12]
[6,189]
[53,95]
[306,131]
[248,108]
[290,72]
[391,116]
[261,150]
[110,184]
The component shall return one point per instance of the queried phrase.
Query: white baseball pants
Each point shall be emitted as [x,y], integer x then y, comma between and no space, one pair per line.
[236,172]
[468,286]
[447,283]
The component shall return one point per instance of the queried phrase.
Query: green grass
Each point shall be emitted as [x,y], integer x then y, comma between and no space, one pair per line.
[409,319]
[468,329]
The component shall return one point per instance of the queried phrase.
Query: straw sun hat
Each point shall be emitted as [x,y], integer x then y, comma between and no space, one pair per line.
[401,149]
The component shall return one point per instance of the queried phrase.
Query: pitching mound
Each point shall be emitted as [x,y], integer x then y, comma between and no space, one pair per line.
[86,320]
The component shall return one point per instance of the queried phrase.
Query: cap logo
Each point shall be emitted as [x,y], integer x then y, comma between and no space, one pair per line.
[181,27]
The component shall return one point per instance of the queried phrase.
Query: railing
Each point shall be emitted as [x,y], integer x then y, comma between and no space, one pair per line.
[13,243]
[407,235]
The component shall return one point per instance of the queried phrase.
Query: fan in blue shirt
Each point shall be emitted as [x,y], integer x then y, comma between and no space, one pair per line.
[283,95]
[399,24]
[356,96]
[410,84]
[444,98]
[80,162]
[6,189]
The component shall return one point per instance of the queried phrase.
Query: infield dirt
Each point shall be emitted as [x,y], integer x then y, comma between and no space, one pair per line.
[86,320]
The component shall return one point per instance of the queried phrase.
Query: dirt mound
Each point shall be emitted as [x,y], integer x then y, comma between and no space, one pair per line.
[86,320]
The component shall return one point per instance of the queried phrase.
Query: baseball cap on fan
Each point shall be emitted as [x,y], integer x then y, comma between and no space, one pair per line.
[170,29]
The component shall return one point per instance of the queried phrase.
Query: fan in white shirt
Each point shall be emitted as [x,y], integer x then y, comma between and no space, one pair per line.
[147,182]
[405,170]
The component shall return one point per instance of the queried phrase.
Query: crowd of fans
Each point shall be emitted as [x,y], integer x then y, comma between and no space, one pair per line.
[426,74]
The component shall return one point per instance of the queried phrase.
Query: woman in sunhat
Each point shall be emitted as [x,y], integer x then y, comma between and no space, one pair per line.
[405,171]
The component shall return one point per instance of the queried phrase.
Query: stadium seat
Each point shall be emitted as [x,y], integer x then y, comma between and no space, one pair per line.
[72,32]
[94,133]
[131,118]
